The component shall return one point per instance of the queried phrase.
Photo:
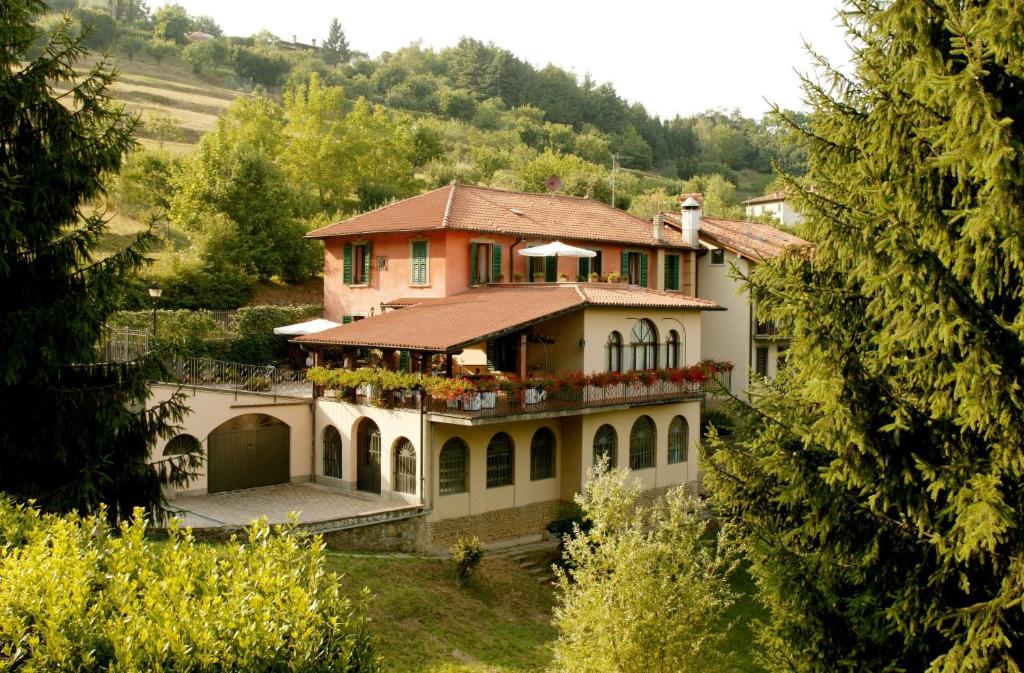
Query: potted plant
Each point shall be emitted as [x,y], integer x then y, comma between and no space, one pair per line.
[535,390]
[538,277]
[488,393]
[500,278]
[612,277]
[517,277]
[594,277]
[562,278]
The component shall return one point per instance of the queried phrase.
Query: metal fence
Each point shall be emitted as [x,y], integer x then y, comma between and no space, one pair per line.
[240,378]
[123,345]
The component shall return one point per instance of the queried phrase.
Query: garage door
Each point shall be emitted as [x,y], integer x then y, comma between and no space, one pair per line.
[247,451]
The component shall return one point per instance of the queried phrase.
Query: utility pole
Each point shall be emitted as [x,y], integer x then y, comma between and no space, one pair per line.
[615,168]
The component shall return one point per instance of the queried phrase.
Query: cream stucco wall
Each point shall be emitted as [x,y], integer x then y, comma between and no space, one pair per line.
[726,335]
[599,322]
[393,424]
[211,408]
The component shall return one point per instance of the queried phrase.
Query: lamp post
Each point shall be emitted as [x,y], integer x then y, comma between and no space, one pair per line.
[154,296]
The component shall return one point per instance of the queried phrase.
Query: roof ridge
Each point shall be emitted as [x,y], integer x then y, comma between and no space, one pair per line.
[374,210]
[448,205]
[558,196]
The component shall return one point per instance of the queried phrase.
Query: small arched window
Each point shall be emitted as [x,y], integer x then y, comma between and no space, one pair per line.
[542,455]
[405,466]
[182,444]
[454,467]
[678,439]
[500,461]
[606,443]
[614,359]
[672,349]
[332,452]
[644,341]
[642,444]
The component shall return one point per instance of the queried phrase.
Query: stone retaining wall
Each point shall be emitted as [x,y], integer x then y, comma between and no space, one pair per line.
[400,535]
[501,524]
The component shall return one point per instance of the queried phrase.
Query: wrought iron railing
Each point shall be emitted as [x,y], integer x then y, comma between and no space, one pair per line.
[238,377]
[123,344]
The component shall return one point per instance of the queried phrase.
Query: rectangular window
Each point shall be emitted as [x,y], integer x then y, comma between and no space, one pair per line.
[589,265]
[547,266]
[634,266]
[761,361]
[672,272]
[484,263]
[356,264]
[419,269]
[718,257]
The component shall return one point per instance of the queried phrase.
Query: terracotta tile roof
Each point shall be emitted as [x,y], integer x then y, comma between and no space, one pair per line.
[472,208]
[469,317]
[767,198]
[751,239]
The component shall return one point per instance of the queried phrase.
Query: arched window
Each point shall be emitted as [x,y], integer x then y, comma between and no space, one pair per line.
[182,444]
[405,466]
[642,444]
[542,455]
[672,349]
[332,452]
[678,439]
[644,340]
[500,461]
[606,443]
[614,360]
[454,467]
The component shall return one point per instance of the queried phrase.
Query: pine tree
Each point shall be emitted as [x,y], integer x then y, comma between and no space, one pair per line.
[880,494]
[74,432]
[336,49]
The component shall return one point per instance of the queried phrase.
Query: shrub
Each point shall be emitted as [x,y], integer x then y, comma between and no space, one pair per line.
[467,553]
[78,595]
[254,340]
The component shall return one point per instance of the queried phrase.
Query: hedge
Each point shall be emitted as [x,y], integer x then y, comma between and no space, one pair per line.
[76,595]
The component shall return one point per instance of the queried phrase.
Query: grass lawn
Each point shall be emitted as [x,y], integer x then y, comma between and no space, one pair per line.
[500,623]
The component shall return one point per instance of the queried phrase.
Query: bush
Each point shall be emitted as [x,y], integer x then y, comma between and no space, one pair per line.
[78,595]
[194,333]
[254,340]
[723,423]
[467,553]
[188,284]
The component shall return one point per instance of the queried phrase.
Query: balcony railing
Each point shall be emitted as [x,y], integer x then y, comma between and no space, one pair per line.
[238,377]
[502,403]
[768,329]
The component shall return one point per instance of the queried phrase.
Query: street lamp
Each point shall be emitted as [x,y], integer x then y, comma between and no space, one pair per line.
[154,296]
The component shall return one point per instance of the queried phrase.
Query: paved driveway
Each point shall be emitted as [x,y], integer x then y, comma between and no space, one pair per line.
[313,503]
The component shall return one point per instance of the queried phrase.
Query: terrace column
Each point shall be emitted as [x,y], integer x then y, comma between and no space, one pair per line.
[448,365]
[522,356]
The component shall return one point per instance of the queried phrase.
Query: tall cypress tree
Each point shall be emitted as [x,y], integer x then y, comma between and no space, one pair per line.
[880,494]
[74,432]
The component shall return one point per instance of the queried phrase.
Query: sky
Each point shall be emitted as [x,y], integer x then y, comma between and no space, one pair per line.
[675,57]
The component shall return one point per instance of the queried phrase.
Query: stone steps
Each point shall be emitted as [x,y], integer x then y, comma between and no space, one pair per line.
[533,558]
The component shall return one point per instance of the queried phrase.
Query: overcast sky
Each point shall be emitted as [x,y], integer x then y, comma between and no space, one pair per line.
[679,56]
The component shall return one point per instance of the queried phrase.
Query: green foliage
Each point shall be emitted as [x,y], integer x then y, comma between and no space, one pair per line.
[189,283]
[254,340]
[646,205]
[335,47]
[467,553]
[77,594]
[160,50]
[130,43]
[261,66]
[579,177]
[720,199]
[171,22]
[163,126]
[99,30]
[205,24]
[203,53]
[647,587]
[75,434]
[879,493]
[143,185]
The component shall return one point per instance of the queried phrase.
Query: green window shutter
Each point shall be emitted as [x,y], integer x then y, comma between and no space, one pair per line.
[551,269]
[473,275]
[346,273]
[643,269]
[346,319]
[419,262]
[495,262]
[367,264]
[595,264]
[624,269]
[671,272]
[584,268]
[490,355]
[403,361]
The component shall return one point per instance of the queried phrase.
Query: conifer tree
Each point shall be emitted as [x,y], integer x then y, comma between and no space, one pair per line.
[336,49]
[74,432]
[880,495]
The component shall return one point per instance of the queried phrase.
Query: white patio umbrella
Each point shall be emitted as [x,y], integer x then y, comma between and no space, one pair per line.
[308,327]
[556,249]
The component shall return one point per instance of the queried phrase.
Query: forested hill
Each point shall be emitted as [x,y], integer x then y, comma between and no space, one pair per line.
[325,131]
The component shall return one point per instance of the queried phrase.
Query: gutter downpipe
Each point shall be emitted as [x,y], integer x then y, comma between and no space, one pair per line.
[512,257]
[312,439]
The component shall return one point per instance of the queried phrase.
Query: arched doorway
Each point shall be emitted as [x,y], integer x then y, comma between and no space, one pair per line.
[248,451]
[332,452]
[368,456]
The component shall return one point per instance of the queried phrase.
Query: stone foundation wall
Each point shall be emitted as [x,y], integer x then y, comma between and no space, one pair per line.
[501,524]
[402,535]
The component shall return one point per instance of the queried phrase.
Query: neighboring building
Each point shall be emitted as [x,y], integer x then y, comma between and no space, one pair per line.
[774,204]
[445,241]
[735,335]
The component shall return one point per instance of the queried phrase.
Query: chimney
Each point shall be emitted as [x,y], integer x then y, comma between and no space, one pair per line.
[295,39]
[691,221]
[658,226]
[314,43]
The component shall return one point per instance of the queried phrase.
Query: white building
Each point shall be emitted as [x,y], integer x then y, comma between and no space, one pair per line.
[773,204]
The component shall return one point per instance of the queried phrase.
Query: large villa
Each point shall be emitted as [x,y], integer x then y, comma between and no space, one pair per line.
[469,386]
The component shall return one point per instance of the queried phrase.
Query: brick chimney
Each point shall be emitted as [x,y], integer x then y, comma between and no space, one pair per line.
[691,214]
[658,226]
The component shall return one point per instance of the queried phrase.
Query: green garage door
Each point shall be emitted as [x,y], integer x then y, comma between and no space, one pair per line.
[247,451]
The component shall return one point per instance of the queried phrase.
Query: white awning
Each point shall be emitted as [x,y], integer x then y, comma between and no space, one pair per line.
[556,249]
[308,327]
